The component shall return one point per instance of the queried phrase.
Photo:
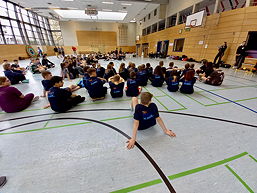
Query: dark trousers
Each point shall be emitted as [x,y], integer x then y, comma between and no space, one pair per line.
[218,57]
[239,61]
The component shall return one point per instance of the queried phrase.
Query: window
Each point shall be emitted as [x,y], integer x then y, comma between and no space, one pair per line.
[20,26]
[148,30]
[161,25]
[154,28]
[144,19]
[155,12]
[178,45]
[144,32]
[171,20]
[149,16]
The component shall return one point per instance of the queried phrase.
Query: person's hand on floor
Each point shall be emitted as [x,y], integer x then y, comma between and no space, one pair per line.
[131,143]
[170,133]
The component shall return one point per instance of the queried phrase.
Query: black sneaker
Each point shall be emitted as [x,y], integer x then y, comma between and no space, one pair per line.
[3,181]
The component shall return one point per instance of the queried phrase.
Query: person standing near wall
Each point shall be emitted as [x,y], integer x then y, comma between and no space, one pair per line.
[240,55]
[74,49]
[56,51]
[220,54]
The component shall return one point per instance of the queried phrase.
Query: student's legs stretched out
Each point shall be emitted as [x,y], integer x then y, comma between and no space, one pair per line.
[76,100]
[26,101]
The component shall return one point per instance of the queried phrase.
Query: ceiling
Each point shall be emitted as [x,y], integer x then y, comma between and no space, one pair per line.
[134,9]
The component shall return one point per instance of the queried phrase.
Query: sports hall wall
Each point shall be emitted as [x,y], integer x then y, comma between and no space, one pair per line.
[230,26]
[98,36]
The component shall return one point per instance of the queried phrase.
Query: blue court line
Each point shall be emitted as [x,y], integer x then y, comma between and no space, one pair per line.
[228,100]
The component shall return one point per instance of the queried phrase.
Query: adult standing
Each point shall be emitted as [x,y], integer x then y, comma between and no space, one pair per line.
[39,51]
[240,55]
[74,49]
[62,50]
[56,52]
[220,54]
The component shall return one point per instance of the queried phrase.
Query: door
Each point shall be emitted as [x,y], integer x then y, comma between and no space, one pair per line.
[165,48]
[159,47]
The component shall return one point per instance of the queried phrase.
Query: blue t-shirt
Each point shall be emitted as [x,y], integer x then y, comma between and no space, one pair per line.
[187,86]
[146,115]
[82,82]
[94,85]
[132,88]
[173,86]
[14,77]
[124,74]
[157,80]
[47,84]
[116,90]
[142,78]
[58,98]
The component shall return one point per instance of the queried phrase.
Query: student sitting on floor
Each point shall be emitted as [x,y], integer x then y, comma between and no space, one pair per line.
[65,71]
[215,78]
[94,85]
[109,72]
[188,82]
[14,77]
[149,70]
[100,71]
[132,68]
[192,67]
[61,99]
[145,116]
[169,69]
[123,71]
[11,99]
[15,66]
[157,77]
[117,85]
[161,64]
[46,62]
[86,76]
[132,89]
[142,76]
[205,70]
[36,67]
[173,81]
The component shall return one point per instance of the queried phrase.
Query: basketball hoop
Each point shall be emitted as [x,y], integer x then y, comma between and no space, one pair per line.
[192,25]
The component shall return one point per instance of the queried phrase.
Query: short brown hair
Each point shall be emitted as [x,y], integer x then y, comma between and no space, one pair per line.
[90,71]
[116,78]
[2,79]
[146,97]
[45,73]
[6,66]
[132,75]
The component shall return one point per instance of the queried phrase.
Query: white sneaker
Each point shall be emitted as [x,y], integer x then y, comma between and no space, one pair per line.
[35,98]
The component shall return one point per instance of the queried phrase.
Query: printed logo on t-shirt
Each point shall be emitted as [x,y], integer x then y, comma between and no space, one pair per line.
[147,115]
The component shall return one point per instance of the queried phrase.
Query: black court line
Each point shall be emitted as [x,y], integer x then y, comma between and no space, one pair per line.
[167,112]
[154,164]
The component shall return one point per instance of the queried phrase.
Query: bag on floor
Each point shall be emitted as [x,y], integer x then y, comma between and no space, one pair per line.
[216,78]
[222,64]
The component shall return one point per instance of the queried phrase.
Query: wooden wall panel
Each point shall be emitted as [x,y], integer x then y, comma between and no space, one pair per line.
[230,26]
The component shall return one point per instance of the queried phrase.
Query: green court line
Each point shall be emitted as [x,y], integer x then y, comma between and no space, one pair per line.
[161,96]
[177,109]
[139,186]
[171,98]
[240,179]
[252,158]
[195,170]
[231,88]
[157,99]
[208,98]
[187,95]
[102,102]
[48,121]
[230,102]
[116,118]
[181,174]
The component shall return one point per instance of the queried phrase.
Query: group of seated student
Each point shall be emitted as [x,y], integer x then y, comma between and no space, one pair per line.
[37,67]
[14,72]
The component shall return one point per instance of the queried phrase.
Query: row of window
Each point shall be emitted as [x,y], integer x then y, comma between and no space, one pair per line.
[19,26]
[149,16]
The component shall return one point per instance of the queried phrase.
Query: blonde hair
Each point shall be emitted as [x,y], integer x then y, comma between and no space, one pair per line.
[146,98]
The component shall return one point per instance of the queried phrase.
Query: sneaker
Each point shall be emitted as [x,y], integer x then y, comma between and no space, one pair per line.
[25,81]
[35,98]
[82,99]
[3,181]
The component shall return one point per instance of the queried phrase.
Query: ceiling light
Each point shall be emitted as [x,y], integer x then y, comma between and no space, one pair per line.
[128,4]
[133,21]
[106,10]
[107,2]
[102,15]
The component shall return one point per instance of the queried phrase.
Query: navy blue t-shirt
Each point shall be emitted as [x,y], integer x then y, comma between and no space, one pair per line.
[132,88]
[157,80]
[58,98]
[124,74]
[94,85]
[142,78]
[146,115]
[47,84]
[100,72]
[187,86]
[116,90]
[173,86]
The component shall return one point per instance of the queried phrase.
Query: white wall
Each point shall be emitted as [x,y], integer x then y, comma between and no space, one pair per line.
[69,29]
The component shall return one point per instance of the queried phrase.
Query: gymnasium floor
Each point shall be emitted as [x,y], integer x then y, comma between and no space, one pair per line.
[214,151]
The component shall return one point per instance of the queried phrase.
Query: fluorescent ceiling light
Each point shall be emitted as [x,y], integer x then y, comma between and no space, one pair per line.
[107,2]
[128,4]
[133,21]
[80,14]
[106,10]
